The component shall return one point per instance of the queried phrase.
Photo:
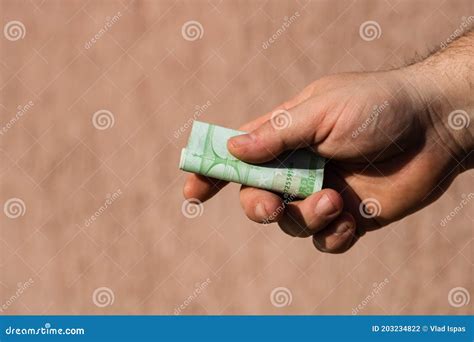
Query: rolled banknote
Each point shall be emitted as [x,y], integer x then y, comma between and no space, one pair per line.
[296,173]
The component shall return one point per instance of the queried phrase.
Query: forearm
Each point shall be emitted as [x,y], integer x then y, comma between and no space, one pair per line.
[444,84]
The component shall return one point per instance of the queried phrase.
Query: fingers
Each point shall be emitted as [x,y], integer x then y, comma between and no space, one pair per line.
[201,187]
[283,131]
[320,215]
[338,236]
[305,218]
[260,205]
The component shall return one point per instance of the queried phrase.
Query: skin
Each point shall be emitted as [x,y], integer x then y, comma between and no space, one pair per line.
[404,157]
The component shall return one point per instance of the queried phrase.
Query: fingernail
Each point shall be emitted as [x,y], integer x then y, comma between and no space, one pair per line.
[342,228]
[242,140]
[319,245]
[324,207]
[260,211]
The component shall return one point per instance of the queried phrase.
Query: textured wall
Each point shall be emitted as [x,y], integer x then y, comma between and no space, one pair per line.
[64,166]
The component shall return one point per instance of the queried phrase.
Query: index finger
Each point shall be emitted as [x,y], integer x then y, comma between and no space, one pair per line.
[201,187]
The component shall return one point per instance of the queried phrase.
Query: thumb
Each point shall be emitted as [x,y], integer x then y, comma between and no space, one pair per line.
[285,130]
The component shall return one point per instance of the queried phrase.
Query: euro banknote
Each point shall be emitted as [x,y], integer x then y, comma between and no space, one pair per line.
[297,173]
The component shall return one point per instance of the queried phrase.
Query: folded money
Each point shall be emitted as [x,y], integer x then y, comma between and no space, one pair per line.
[297,173]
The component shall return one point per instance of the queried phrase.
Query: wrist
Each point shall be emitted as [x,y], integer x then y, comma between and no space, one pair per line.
[441,94]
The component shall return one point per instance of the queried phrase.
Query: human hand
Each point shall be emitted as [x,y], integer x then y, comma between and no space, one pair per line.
[390,152]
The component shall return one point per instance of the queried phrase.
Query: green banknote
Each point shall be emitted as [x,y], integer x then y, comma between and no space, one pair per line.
[297,173]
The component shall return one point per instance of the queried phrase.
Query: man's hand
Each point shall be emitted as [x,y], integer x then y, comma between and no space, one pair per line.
[389,145]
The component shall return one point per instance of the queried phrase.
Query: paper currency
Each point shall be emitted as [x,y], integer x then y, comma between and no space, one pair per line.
[297,173]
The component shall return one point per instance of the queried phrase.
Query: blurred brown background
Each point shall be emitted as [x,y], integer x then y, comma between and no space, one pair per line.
[60,165]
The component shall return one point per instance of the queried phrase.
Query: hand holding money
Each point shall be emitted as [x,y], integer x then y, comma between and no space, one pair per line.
[384,159]
[296,174]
